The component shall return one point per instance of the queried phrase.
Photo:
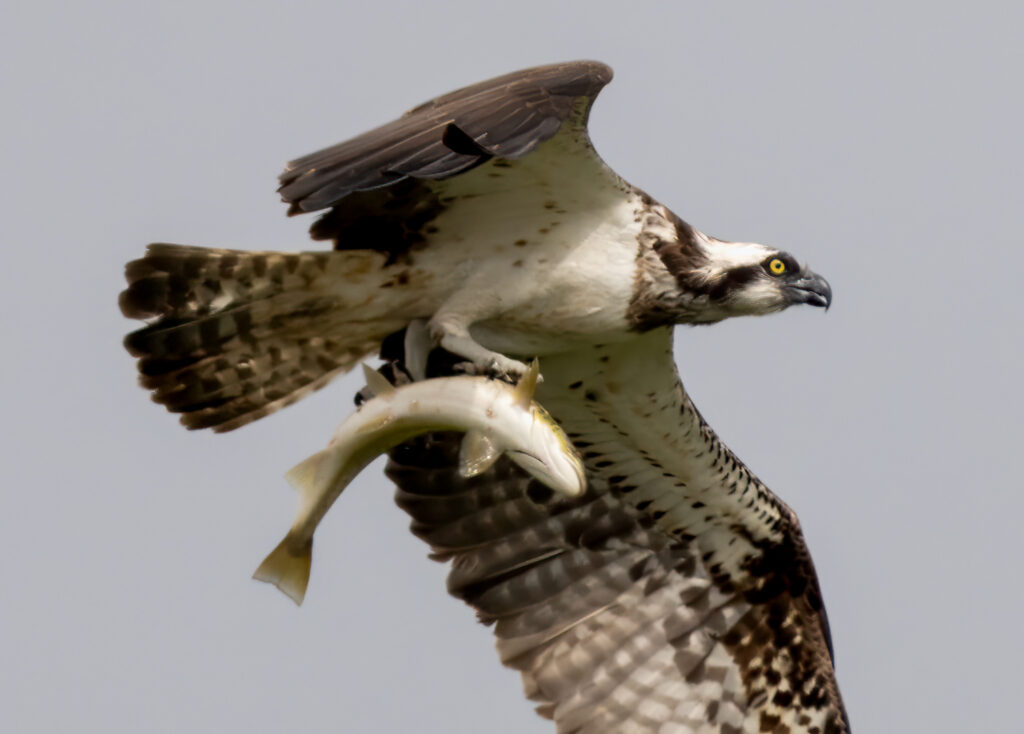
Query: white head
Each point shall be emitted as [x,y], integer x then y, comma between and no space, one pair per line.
[687,277]
[746,278]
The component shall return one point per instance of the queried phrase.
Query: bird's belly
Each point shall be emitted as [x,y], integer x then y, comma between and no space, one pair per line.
[577,297]
[534,289]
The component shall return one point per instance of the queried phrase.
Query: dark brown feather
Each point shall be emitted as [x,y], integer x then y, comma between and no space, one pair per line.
[507,116]
[238,334]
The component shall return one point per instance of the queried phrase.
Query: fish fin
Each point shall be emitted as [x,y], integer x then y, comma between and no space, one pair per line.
[477,453]
[286,570]
[377,382]
[527,385]
[302,476]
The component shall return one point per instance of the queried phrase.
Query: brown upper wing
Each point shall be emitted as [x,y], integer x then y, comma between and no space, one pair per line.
[507,116]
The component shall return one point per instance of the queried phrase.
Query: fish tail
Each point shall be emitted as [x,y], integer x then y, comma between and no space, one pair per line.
[287,570]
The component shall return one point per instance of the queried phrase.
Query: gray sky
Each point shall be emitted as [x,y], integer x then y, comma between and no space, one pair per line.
[883,146]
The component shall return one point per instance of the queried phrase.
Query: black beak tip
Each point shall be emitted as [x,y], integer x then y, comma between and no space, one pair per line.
[826,293]
[813,290]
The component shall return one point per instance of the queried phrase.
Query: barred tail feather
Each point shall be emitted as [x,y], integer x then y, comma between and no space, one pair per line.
[238,335]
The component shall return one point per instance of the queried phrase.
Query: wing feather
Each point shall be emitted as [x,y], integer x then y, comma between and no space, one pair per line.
[620,614]
[507,116]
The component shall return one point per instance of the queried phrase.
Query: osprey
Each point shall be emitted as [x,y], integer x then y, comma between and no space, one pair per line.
[675,595]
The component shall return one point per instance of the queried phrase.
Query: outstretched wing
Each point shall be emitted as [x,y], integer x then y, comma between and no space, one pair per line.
[507,117]
[676,595]
[464,168]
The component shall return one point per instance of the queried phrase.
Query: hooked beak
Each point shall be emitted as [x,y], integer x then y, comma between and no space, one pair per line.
[809,288]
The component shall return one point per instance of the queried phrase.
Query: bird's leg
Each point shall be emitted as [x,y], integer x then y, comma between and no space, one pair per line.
[416,349]
[455,338]
[476,300]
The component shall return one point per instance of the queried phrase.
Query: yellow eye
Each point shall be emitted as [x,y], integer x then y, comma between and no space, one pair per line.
[777,266]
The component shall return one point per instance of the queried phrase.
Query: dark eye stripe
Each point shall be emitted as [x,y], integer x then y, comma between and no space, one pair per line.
[732,281]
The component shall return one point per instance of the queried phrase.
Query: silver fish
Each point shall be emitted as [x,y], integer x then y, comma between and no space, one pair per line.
[496,417]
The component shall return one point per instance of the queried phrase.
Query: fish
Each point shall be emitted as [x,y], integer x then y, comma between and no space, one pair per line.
[496,417]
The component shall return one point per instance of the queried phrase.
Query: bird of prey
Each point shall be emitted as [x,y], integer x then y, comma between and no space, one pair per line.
[676,595]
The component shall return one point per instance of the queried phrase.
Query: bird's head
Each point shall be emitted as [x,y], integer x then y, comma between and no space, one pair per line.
[748,279]
[687,277]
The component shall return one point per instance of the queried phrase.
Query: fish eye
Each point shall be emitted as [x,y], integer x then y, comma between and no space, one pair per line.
[776,266]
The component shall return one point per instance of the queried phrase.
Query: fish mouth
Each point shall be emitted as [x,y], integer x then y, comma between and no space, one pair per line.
[550,473]
[532,465]
[581,478]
